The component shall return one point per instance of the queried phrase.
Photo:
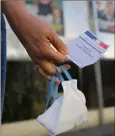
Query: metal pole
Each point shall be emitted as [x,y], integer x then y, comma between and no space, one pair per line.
[97,69]
[98,78]
[80,78]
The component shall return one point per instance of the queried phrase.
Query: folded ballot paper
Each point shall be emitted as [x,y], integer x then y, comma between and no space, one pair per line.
[86,49]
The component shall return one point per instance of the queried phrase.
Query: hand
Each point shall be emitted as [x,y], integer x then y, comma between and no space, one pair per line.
[37,36]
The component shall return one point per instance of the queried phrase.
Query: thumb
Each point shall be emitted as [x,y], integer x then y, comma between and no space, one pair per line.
[58,44]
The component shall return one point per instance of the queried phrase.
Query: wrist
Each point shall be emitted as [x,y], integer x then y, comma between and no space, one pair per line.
[11,6]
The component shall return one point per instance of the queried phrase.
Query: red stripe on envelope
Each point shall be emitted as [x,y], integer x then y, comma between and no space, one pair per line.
[103,45]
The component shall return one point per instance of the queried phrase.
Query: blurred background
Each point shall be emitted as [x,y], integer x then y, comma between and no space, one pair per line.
[26,90]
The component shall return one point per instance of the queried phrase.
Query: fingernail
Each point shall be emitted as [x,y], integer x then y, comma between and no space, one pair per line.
[58,82]
[68,67]
[67,51]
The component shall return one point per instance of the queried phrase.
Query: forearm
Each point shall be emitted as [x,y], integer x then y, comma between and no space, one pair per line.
[10,6]
[14,10]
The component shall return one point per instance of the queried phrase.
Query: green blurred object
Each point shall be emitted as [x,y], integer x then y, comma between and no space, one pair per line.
[28,1]
[58,27]
[26,92]
[58,3]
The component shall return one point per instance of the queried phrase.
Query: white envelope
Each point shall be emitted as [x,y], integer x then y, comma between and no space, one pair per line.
[86,49]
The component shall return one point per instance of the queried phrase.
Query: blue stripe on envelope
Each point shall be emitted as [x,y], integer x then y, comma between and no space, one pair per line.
[91,35]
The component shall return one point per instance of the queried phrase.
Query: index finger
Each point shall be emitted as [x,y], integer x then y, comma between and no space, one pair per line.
[58,44]
[49,53]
